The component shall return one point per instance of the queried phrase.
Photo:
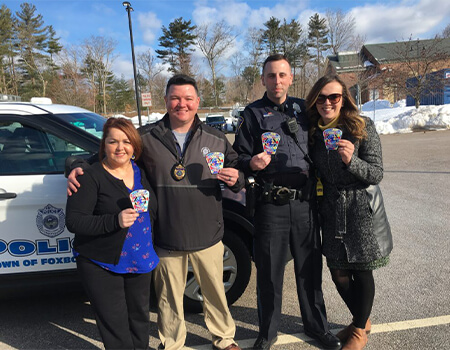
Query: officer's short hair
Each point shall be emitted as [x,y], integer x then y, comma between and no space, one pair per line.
[181,79]
[275,57]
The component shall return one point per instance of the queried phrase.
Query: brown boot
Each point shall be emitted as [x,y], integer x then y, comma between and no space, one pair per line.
[344,333]
[368,326]
[357,339]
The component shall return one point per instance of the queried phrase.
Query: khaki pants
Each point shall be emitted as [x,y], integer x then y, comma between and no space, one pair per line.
[170,282]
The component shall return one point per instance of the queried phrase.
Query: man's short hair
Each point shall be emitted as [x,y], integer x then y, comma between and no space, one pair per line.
[275,57]
[181,79]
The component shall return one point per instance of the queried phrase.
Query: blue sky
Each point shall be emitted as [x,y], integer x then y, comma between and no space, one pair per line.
[379,21]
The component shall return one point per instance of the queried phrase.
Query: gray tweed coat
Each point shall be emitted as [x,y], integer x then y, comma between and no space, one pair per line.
[345,213]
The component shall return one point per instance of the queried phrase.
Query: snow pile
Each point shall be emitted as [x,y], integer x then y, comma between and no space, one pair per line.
[410,118]
[401,103]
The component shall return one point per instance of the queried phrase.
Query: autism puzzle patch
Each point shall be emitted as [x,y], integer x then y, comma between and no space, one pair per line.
[215,161]
[139,199]
[270,141]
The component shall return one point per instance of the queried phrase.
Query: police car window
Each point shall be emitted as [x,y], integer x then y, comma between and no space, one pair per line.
[27,150]
[90,122]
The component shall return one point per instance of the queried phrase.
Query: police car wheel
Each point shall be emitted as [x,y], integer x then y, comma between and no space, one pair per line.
[236,274]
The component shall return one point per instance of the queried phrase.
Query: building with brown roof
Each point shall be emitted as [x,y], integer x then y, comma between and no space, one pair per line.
[380,71]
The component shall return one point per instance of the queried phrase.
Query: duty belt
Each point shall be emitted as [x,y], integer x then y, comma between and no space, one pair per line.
[280,195]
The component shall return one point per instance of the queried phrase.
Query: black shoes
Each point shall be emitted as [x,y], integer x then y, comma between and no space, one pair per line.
[328,340]
[263,344]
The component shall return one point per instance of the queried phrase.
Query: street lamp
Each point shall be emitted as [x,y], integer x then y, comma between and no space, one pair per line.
[128,8]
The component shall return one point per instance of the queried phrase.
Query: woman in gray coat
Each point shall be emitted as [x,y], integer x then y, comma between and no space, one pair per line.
[349,243]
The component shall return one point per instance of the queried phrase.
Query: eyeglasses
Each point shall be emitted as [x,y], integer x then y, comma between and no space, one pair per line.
[333,98]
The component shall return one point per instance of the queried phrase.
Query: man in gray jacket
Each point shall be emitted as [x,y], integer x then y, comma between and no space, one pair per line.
[189,221]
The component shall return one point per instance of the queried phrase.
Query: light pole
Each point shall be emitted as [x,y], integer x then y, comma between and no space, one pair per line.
[128,8]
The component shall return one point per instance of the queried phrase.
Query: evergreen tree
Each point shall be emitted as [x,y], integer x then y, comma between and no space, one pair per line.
[294,47]
[121,95]
[206,92]
[271,36]
[250,75]
[176,41]
[32,42]
[317,39]
[53,46]
[290,40]
[8,83]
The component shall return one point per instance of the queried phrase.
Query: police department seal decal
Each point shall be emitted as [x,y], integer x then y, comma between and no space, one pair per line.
[50,221]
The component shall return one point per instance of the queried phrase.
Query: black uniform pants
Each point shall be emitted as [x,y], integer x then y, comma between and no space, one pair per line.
[120,303]
[278,228]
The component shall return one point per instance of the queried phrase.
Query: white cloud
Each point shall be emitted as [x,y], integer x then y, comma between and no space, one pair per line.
[102,8]
[143,48]
[287,9]
[391,22]
[123,65]
[233,13]
[149,25]
[204,14]
[241,15]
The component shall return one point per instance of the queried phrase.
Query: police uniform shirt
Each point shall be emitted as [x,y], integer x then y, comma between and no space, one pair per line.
[262,116]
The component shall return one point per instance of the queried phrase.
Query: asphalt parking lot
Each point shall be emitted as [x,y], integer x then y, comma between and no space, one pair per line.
[412,302]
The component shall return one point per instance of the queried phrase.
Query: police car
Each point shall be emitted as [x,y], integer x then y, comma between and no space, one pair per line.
[35,247]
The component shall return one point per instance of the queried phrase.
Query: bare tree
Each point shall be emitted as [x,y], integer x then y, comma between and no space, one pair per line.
[213,43]
[419,58]
[341,27]
[70,87]
[99,51]
[361,77]
[236,90]
[149,70]
[446,32]
[254,43]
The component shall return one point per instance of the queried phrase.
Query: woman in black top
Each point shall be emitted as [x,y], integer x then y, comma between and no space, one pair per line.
[113,237]
[348,239]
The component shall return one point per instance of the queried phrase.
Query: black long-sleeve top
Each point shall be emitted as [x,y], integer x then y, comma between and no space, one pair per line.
[92,213]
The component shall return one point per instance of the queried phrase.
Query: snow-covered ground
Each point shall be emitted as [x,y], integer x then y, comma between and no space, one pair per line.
[388,120]
[402,119]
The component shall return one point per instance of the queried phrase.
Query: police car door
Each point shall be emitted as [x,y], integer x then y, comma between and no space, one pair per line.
[33,198]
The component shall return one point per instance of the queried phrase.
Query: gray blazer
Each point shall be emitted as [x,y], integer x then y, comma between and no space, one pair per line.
[345,210]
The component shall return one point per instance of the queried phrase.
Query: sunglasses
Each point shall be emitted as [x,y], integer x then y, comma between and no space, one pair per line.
[333,98]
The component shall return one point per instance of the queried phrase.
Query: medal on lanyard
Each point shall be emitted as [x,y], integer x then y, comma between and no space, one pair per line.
[178,171]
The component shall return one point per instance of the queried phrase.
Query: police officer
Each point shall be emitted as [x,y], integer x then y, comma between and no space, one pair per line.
[282,215]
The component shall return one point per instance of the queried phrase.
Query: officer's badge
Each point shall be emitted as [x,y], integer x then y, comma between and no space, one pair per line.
[296,107]
[50,221]
[239,124]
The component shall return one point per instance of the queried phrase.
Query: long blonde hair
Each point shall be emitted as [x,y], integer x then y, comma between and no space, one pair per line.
[349,115]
